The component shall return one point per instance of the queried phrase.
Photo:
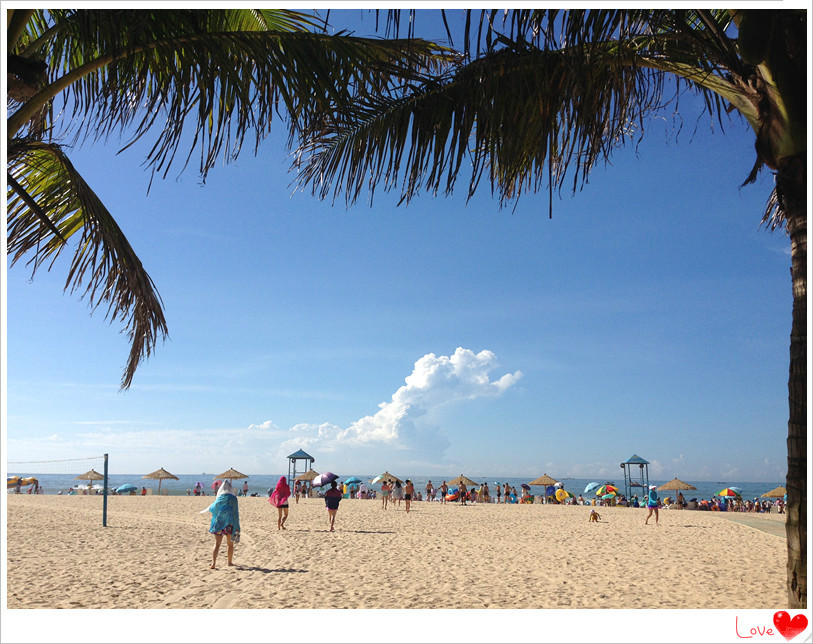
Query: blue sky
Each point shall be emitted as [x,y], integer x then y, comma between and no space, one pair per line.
[650,315]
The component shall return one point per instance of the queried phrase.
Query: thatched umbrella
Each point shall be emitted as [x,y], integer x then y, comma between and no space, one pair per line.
[543,480]
[776,492]
[676,485]
[90,476]
[231,473]
[160,475]
[386,476]
[307,476]
[462,480]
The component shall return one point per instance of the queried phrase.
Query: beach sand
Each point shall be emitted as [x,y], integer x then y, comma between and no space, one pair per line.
[156,551]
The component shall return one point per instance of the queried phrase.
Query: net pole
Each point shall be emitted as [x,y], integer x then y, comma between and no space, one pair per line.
[104,493]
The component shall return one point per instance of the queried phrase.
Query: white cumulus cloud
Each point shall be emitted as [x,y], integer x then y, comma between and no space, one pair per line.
[403,425]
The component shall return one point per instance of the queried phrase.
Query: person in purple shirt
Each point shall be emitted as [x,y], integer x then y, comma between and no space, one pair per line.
[332,498]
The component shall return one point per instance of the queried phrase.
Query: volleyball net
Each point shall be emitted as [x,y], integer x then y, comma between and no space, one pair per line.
[73,476]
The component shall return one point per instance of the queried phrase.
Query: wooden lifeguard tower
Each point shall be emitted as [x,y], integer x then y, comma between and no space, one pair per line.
[636,476]
[293,468]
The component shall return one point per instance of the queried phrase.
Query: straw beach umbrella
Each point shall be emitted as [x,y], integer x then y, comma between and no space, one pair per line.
[676,485]
[462,480]
[543,480]
[776,492]
[231,474]
[160,475]
[386,476]
[90,476]
[307,476]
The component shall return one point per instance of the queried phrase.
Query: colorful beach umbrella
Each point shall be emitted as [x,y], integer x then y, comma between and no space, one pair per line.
[590,487]
[353,480]
[727,491]
[606,489]
[562,495]
[127,487]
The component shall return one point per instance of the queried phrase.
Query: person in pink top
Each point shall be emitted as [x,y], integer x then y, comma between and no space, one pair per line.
[279,499]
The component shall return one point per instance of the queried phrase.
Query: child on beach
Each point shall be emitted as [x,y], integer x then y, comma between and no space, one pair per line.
[594,516]
[332,498]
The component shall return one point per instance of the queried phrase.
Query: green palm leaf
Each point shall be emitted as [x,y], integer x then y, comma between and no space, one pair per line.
[104,268]
[199,82]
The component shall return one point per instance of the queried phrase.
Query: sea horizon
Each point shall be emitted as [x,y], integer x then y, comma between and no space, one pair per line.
[54,483]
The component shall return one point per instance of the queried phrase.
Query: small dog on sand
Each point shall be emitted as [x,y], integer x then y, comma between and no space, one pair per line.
[595,516]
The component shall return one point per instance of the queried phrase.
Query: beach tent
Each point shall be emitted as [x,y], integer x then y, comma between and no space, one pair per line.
[776,492]
[160,475]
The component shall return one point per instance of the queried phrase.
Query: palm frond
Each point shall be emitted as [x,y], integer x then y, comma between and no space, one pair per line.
[104,267]
[553,93]
[514,113]
[194,69]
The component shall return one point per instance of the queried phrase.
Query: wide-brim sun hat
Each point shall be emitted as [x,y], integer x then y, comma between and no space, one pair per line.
[653,487]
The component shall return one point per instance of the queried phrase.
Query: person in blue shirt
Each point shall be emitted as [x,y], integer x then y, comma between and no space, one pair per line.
[652,504]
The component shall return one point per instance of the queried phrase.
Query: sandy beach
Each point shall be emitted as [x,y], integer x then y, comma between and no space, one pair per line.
[156,551]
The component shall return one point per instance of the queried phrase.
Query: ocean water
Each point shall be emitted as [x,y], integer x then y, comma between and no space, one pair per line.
[262,483]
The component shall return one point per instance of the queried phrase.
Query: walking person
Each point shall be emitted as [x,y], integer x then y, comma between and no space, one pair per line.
[332,499]
[397,493]
[297,489]
[409,490]
[444,490]
[463,492]
[499,491]
[385,493]
[225,521]
[279,499]
[430,493]
[505,492]
[652,504]
[245,488]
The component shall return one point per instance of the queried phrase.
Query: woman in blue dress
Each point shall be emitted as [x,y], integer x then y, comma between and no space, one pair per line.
[225,521]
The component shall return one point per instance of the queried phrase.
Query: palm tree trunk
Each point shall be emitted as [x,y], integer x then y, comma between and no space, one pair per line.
[791,190]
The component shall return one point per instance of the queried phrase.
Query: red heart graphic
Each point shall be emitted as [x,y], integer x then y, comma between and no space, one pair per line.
[787,627]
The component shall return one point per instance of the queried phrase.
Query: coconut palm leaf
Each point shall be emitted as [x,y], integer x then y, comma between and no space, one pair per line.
[199,81]
[104,268]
